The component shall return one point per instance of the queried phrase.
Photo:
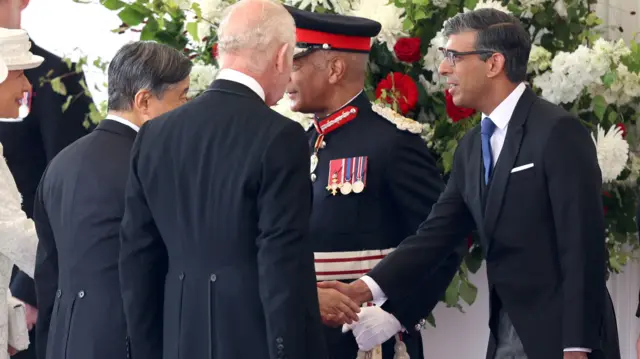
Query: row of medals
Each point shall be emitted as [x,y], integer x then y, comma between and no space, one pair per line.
[345,187]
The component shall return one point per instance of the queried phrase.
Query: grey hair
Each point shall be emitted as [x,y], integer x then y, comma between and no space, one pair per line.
[144,65]
[273,27]
[498,32]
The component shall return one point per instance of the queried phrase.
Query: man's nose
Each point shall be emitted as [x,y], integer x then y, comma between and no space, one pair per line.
[445,68]
[26,85]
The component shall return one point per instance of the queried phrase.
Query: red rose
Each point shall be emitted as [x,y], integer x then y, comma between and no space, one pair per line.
[456,113]
[469,242]
[399,89]
[623,129]
[214,51]
[604,210]
[408,49]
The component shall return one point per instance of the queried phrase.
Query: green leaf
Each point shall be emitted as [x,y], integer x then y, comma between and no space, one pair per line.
[599,106]
[196,9]
[58,87]
[112,4]
[94,115]
[451,294]
[468,292]
[192,28]
[419,15]
[612,118]
[131,16]
[66,104]
[407,25]
[431,320]
[473,262]
[609,78]
[470,4]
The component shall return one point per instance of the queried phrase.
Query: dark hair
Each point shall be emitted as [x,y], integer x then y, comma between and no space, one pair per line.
[498,32]
[144,65]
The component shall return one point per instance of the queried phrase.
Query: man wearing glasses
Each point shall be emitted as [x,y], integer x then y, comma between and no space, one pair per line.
[528,180]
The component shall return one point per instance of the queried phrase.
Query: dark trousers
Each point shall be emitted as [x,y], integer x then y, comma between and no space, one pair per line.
[508,344]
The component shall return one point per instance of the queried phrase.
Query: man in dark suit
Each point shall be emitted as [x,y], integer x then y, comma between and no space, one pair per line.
[353,228]
[30,144]
[80,203]
[528,180]
[215,259]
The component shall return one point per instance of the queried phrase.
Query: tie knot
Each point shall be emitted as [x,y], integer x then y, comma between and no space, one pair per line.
[487,126]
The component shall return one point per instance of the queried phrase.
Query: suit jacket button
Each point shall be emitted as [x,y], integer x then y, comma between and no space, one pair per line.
[58,293]
[418,327]
[81,294]
[280,347]
[181,276]
[213,278]
[279,340]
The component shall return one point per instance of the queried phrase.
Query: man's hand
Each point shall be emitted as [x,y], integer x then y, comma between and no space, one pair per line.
[32,315]
[336,308]
[358,291]
[575,355]
[12,351]
[374,327]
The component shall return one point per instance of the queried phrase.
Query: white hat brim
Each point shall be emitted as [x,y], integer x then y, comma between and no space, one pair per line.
[33,62]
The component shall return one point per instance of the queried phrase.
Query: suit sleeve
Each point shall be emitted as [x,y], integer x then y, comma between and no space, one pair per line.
[46,274]
[60,128]
[285,259]
[575,190]
[415,184]
[403,274]
[143,267]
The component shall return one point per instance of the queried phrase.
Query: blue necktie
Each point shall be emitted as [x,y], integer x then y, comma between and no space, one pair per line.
[486,130]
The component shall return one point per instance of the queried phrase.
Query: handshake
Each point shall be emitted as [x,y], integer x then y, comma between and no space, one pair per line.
[340,305]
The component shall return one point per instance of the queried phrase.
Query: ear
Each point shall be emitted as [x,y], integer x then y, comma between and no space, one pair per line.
[24,4]
[141,101]
[496,65]
[284,58]
[337,70]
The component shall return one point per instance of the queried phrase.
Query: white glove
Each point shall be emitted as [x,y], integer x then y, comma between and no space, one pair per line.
[374,327]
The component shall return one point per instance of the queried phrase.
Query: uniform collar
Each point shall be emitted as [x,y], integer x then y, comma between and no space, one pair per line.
[345,114]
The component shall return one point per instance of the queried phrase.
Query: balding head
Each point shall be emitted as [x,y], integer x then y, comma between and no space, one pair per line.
[257,37]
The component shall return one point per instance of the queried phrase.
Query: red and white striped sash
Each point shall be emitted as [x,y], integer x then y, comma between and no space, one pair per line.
[347,265]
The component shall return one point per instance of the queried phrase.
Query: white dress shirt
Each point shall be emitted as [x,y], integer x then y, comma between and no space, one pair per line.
[123,121]
[239,77]
[500,117]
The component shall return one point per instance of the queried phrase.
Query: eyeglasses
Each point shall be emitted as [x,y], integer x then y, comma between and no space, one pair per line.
[453,56]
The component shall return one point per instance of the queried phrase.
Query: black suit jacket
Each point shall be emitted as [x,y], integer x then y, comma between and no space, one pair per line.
[541,229]
[402,184]
[215,255]
[78,210]
[30,145]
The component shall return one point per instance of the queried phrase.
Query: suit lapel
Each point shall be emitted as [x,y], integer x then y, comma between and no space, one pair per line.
[506,160]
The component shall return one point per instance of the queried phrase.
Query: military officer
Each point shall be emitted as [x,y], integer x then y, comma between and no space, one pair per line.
[374,180]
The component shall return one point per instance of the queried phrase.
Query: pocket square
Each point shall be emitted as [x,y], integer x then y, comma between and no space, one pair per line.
[522,168]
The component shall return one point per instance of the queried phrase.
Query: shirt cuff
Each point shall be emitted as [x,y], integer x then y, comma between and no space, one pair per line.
[578,350]
[379,298]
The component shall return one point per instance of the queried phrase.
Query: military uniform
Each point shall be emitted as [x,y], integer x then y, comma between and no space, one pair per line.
[374,181]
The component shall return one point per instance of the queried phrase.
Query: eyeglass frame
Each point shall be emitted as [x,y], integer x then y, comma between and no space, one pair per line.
[448,54]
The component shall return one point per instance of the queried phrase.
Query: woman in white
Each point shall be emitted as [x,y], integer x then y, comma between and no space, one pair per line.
[18,240]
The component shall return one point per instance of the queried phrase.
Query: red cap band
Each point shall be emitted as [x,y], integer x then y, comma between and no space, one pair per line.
[335,41]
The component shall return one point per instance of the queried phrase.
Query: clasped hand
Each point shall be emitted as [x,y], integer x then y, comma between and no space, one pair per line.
[371,326]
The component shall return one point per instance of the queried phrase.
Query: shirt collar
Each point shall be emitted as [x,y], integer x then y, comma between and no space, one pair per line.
[239,77]
[123,121]
[502,114]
